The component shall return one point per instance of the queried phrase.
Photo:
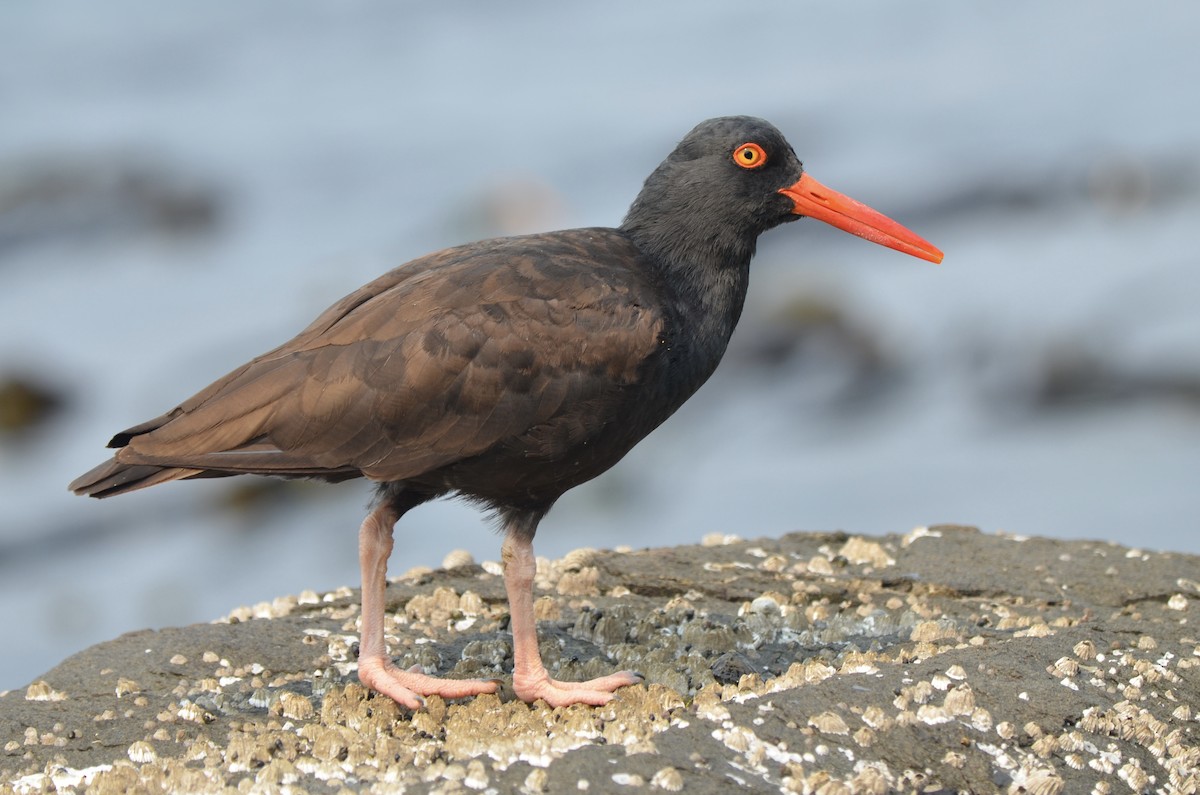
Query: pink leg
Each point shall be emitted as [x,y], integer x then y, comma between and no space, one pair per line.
[530,679]
[375,668]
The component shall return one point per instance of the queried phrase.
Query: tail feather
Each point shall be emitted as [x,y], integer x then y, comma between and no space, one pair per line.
[114,477]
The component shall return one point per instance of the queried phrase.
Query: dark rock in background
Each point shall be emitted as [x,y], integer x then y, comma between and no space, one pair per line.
[82,198]
[26,402]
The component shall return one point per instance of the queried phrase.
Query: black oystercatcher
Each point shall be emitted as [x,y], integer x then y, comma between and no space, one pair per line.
[505,371]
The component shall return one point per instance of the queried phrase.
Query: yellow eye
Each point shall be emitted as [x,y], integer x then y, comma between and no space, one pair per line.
[750,156]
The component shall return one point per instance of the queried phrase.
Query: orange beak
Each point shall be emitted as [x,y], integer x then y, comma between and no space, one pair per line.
[814,200]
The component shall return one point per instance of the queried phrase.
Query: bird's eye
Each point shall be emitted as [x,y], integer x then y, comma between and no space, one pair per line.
[750,156]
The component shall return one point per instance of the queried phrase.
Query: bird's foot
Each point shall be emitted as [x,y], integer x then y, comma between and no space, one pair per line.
[597,692]
[408,688]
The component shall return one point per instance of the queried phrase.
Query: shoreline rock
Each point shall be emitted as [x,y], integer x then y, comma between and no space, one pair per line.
[944,659]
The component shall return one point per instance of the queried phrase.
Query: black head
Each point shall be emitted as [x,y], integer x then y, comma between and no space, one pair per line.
[731,179]
[719,188]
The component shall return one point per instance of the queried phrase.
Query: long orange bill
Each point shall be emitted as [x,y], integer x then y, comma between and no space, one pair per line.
[817,201]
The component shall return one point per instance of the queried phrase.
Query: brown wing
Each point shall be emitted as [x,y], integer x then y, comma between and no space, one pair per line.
[439,360]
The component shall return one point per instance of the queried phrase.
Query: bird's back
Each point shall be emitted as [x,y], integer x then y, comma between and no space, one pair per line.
[498,360]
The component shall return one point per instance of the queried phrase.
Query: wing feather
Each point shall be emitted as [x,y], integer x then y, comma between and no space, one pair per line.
[516,341]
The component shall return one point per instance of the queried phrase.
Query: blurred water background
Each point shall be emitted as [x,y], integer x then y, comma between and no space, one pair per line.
[183,187]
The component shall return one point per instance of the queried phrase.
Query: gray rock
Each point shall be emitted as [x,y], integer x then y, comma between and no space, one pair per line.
[944,659]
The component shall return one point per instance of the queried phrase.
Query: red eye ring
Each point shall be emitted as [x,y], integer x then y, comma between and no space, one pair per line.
[750,155]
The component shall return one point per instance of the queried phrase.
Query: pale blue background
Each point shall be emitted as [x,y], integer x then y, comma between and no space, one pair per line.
[1052,151]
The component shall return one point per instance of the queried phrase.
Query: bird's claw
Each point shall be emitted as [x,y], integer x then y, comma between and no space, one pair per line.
[409,687]
[595,692]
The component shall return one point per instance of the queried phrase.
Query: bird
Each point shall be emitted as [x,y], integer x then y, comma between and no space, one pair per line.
[505,372]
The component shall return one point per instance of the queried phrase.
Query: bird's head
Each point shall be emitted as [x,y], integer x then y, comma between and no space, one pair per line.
[730,179]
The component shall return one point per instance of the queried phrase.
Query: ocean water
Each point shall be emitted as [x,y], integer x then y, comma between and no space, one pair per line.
[183,188]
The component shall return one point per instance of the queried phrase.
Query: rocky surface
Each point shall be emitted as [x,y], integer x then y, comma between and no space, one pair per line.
[941,660]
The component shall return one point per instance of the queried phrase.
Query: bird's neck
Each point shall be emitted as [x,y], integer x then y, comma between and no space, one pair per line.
[704,270]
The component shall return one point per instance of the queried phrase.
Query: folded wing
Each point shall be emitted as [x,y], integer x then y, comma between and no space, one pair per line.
[519,342]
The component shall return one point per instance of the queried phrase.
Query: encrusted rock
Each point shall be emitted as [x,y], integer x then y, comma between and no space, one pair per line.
[802,664]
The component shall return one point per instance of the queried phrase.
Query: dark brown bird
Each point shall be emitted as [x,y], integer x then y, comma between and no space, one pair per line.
[505,371]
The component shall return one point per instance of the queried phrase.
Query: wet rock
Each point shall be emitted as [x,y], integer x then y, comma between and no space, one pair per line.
[73,197]
[730,667]
[1121,183]
[835,361]
[26,402]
